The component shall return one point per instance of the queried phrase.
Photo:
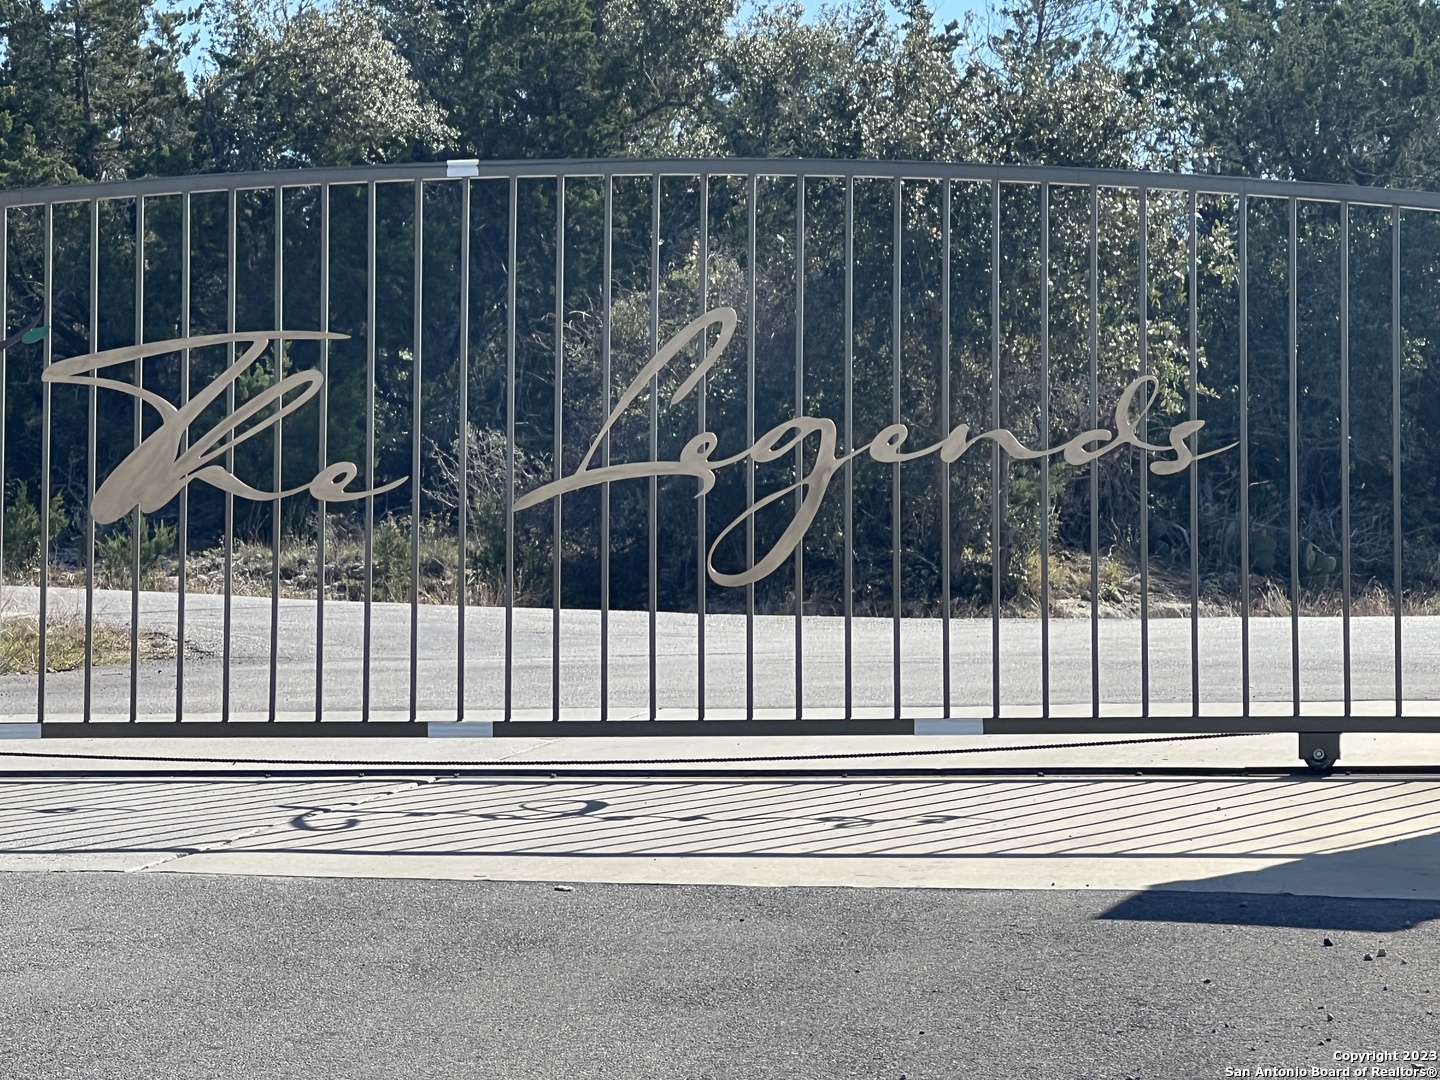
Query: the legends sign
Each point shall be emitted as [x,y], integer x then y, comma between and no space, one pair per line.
[156,470]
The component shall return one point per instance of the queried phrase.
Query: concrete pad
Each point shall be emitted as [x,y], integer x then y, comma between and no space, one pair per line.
[110,755]
[1338,837]
[1037,874]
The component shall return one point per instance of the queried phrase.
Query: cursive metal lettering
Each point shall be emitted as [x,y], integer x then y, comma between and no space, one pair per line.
[157,469]
[695,459]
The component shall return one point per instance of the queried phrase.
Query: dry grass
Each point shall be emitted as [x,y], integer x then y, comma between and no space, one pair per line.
[253,568]
[253,573]
[65,645]
[1169,594]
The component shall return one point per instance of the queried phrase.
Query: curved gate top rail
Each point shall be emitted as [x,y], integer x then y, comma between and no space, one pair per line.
[1201,183]
[739,446]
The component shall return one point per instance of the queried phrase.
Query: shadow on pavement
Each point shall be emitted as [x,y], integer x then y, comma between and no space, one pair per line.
[1310,892]
[1175,839]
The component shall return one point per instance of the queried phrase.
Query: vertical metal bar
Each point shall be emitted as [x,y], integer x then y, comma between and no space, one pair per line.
[372,333]
[1397,536]
[1194,302]
[996,461]
[653,524]
[800,410]
[1294,464]
[322,517]
[184,445]
[231,231]
[605,380]
[1144,466]
[1095,465]
[750,460]
[91,421]
[559,444]
[1345,447]
[137,519]
[849,568]
[4,368]
[1244,403]
[417,373]
[896,344]
[277,475]
[1045,441]
[510,275]
[462,524]
[944,431]
[700,424]
[47,347]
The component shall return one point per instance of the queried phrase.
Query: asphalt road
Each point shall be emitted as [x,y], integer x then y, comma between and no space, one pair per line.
[129,976]
[823,651]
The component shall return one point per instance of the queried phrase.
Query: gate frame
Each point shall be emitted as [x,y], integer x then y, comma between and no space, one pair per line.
[1319,735]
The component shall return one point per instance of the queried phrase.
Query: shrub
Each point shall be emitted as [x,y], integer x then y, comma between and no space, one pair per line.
[115,553]
[392,560]
[22,529]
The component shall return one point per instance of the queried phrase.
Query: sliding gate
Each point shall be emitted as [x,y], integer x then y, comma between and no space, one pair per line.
[718,446]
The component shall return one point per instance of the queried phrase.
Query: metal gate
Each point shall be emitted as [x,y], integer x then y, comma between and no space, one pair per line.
[718,446]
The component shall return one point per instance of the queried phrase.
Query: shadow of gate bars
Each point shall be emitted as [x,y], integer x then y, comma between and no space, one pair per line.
[720,447]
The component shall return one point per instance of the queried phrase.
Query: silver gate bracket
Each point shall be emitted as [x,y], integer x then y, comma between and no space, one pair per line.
[463,167]
[19,731]
[950,727]
[462,729]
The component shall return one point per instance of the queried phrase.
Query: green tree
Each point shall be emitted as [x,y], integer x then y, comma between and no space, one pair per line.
[845,84]
[313,86]
[1050,87]
[93,90]
[562,78]
[1341,91]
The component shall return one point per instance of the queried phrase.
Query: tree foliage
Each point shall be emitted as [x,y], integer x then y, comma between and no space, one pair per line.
[319,86]
[92,89]
[1319,90]
[1343,91]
